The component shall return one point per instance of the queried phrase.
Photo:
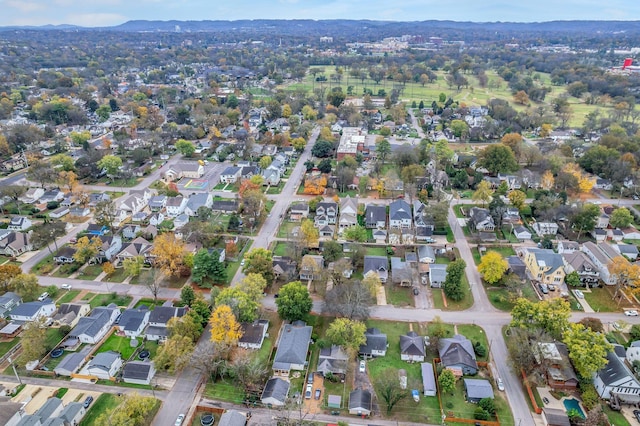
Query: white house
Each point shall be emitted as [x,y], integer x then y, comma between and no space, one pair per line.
[197,200]
[545,228]
[94,327]
[133,321]
[253,334]
[400,214]
[175,206]
[32,311]
[32,195]
[521,233]
[105,365]
[616,378]
[19,223]
[231,174]
[156,219]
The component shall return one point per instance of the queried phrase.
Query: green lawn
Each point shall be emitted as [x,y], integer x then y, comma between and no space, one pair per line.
[463,409]
[105,299]
[88,296]
[505,251]
[118,344]
[105,403]
[375,251]
[54,336]
[461,305]
[500,298]
[149,303]
[90,272]
[615,417]
[399,296]
[286,228]
[118,276]
[68,296]
[225,391]
[281,249]
[275,189]
[508,235]
[601,300]
[475,333]
[48,261]
[6,346]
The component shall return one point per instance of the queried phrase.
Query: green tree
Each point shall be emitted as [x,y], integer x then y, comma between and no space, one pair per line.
[517,198]
[34,341]
[549,315]
[621,218]
[347,333]
[573,279]
[498,158]
[587,349]
[133,265]
[355,233]
[444,154]
[63,162]
[487,405]
[187,295]
[174,354]
[185,147]
[453,283]
[294,302]
[332,251]
[259,261]
[242,305]
[483,192]
[110,164]
[322,149]
[26,286]
[208,265]
[585,219]
[492,267]
[383,149]
[447,381]
[265,162]
[254,285]
[103,112]
[460,129]
[134,410]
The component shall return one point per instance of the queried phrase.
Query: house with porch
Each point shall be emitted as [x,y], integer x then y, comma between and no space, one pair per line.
[293,347]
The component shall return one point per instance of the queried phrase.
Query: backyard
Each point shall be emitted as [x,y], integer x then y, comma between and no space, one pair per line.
[120,344]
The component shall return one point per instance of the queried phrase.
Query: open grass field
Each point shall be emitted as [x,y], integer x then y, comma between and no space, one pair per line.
[473,95]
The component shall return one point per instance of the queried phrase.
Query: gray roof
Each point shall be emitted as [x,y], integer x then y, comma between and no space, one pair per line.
[70,363]
[426,251]
[104,360]
[131,319]
[360,398]
[162,314]
[253,333]
[548,258]
[153,330]
[293,346]
[30,420]
[232,418]
[614,371]
[376,340]
[137,370]
[438,272]
[276,388]
[399,210]
[231,170]
[478,388]
[457,350]
[556,417]
[48,408]
[30,308]
[412,344]
[375,263]
[375,213]
[174,201]
[428,377]
[197,200]
[333,359]
[9,298]
[92,324]
[517,266]
[400,271]
[71,411]
[628,249]
[7,410]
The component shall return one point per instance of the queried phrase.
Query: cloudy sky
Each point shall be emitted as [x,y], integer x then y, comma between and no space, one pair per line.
[93,13]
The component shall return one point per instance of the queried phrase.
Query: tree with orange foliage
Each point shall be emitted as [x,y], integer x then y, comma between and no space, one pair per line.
[315,185]
[169,254]
[627,274]
[247,185]
[231,249]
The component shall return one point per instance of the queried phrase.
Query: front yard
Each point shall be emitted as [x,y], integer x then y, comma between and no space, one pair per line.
[399,296]
[601,300]
[105,299]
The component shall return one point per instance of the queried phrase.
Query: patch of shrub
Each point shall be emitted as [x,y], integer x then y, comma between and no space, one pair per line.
[480,414]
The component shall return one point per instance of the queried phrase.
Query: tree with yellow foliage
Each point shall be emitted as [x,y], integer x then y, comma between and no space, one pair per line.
[108,268]
[169,254]
[547,181]
[310,233]
[492,267]
[627,275]
[585,182]
[68,180]
[224,326]
[545,130]
[314,185]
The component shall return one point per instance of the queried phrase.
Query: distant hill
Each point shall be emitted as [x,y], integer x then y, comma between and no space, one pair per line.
[310,27]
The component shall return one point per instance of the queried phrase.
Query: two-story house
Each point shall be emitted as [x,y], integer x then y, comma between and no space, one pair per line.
[326,213]
[481,220]
[230,175]
[158,320]
[311,266]
[400,215]
[19,223]
[544,266]
[580,263]
[375,217]
[348,212]
[378,265]
[601,255]
[175,206]
[616,379]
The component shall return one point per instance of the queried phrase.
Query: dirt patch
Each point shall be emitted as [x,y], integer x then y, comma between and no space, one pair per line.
[35,396]
[313,405]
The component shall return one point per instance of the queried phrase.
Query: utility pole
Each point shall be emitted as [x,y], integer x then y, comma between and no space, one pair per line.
[14,370]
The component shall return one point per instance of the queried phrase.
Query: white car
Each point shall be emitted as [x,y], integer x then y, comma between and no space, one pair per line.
[363,367]
[500,384]
[631,313]
[242,263]
[179,420]
[307,393]
[66,286]
[43,296]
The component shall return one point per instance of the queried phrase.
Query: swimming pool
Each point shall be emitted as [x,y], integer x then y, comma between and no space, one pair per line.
[572,403]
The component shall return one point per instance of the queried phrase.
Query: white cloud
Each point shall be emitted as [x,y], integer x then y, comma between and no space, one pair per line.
[25,6]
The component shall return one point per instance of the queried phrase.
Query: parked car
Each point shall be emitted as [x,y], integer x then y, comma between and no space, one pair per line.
[66,286]
[616,326]
[543,288]
[416,291]
[179,420]
[307,393]
[579,294]
[242,263]
[637,414]
[363,367]
[552,287]
[43,296]
[631,313]
[87,402]
[500,384]
[318,392]
[310,378]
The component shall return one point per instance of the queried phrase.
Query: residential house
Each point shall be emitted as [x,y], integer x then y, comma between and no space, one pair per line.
[380,236]
[333,360]
[412,347]
[72,413]
[426,254]
[133,321]
[137,247]
[602,221]
[599,234]
[51,408]
[108,250]
[615,378]
[202,199]
[193,170]
[555,417]
[253,334]
[134,203]
[284,267]
[64,255]
[8,301]
[158,202]
[603,184]
[13,244]
[326,213]
[231,174]
[477,389]
[32,195]
[94,229]
[96,197]
[631,233]
[79,211]
[225,206]
[633,352]
[400,215]
[131,231]
[348,212]
[360,402]
[421,217]
[298,211]
[105,365]
[481,220]
[615,234]
[175,206]
[457,353]
[70,364]
[601,255]
[271,177]
[19,223]
[180,221]
[275,392]
[70,313]
[544,266]
[52,195]
[377,265]
[232,418]
[428,379]
[138,372]
[375,217]
[630,251]
[94,327]
[437,275]
[311,267]
[14,163]
[59,212]
[558,370]
[32,311]
[293,346]
[156,218]
[580,263]
[566,247]
[545,228]
[521,232]
[158,319]
[376,344]
[511,215]
[401,273]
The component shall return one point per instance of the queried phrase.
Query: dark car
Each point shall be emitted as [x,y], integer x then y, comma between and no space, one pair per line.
[318,392]
[637,414]
[88,401]
[416,291]
[543,288]
[310,378]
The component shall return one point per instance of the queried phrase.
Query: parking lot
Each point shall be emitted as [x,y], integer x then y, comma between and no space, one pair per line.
[211,178]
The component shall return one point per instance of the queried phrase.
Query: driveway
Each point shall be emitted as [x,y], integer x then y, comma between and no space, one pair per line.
[313,405]
[421,300]
[362,381]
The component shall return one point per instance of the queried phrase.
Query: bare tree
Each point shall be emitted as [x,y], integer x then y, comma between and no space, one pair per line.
[154,281]
[14,192]
[351,300]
